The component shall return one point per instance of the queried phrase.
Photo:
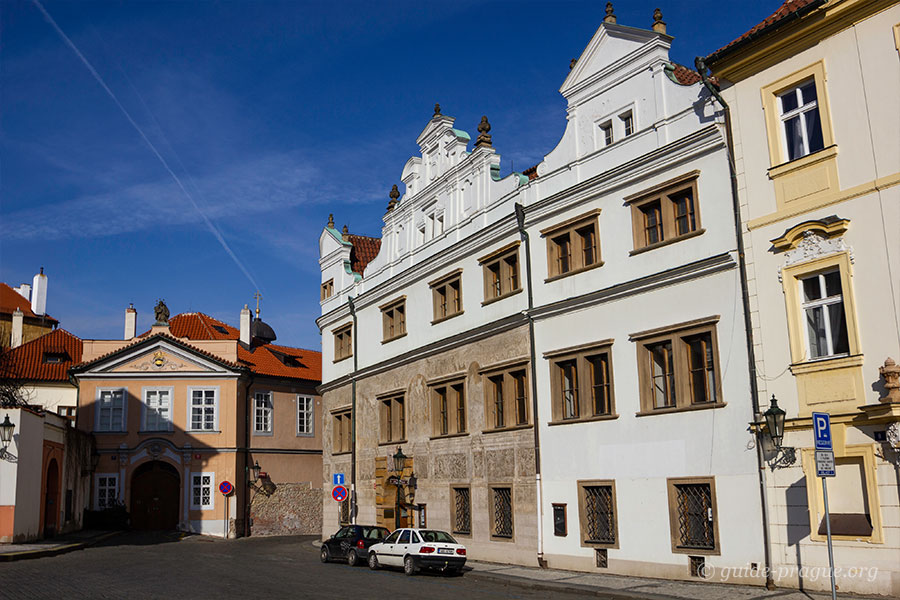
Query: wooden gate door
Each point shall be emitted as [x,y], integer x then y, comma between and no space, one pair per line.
[51,499]
[155,496]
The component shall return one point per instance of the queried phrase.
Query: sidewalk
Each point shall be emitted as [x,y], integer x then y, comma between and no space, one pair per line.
[58,545]
[619,586]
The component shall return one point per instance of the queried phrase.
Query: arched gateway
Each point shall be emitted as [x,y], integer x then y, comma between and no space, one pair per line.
[155,487]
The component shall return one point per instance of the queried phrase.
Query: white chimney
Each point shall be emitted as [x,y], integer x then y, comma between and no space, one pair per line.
[245,325]
[24,290]
[39,297]
[130,322]
[15,339]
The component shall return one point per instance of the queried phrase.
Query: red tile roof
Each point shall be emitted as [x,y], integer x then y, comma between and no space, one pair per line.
[531,173]
[790,8]
[364,250]
[10,300]
[268,359]
[27,361]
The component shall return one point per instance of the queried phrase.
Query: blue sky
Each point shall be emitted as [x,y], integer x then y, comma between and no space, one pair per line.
[271,115]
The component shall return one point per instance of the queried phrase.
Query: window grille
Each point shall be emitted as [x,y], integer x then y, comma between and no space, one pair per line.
[602,558]
[502,517]
[345,511]
[462,518]
[601,524]
[695,516]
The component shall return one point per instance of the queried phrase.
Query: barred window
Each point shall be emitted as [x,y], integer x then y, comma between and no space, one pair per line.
[345,511]
[501,512]
[692,515]
[462,511]
[201,491]
[598,513]
[107,491]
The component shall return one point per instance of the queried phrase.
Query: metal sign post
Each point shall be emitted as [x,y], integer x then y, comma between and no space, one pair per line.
[825,469]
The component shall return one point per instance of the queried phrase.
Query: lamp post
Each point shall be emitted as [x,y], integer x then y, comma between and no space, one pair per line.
[775,422]
[399,460]
[6,431]
[253,474]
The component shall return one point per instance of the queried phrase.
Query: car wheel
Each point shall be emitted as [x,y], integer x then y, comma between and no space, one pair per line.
[326,555]
[373,561]
[352,558]
[409,566]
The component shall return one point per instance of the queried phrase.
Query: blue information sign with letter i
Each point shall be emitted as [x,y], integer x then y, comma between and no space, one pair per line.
[337,479]
[822,430]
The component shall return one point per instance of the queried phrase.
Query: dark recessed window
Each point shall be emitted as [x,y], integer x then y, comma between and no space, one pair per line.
[220,329]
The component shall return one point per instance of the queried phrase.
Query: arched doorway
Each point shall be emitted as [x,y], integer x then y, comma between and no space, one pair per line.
[155,489]
[51,499]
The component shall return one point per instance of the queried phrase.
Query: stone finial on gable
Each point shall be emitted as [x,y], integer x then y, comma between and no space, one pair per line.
[572,63]
[659,26]
[345,233]
[610,16]
[484,138]
[394,195]
[437,110]
[330,221]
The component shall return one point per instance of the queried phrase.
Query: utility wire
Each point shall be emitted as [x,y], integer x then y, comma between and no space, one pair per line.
[210,225]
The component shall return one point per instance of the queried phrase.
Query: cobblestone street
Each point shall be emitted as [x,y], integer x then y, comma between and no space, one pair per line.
[138,566]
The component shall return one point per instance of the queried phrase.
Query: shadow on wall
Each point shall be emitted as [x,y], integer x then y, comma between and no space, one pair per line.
[797,521]
[292,509]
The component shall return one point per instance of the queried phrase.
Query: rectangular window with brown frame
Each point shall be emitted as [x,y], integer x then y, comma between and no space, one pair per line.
[501,273]
[501,512]
[581,380]
[327,290]
[447,296]
[572,245]
[666,213]
[393,419]
[506,398]
[341,431]
[461,521]
[693,515]
[448,408]
[393,315]
[678,367]
[343,342]
[597,514]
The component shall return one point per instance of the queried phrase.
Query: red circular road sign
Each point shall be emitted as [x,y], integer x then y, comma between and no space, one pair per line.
[226,488]
[339,493]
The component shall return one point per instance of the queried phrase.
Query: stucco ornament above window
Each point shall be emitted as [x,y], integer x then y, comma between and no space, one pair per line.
[813,239]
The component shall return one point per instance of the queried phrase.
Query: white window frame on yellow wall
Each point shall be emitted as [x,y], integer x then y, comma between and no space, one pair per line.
[201,486]
[264,414]
[159,412]
[203,407]
[816,500]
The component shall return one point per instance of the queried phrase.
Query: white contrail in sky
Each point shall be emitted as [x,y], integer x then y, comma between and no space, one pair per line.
[212,227]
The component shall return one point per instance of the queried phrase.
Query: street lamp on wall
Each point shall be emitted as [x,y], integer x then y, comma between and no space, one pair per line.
[253,473]
[6,431]
[775,422]
[399,461]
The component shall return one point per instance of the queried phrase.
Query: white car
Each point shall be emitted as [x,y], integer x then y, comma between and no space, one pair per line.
[415,549]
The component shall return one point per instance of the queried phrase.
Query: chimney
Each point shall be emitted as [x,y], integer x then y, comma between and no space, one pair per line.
[15,339]
[24,290]
[130,322]
[39,296]
[245,325]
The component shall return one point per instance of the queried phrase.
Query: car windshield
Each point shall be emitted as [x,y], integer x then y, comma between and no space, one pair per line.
[374,533]
[430,535]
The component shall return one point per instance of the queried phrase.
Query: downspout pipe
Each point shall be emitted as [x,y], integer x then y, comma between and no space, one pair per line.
[353,506]
[523,233]
[248,498]
[700,65]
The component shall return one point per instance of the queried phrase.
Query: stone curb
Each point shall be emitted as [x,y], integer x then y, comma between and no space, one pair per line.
[553,586]
[55,550]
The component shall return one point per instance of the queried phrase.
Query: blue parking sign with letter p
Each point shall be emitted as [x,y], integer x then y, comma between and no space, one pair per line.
[822,430]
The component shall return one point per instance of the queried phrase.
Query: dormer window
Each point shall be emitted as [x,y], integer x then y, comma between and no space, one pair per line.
[52,358]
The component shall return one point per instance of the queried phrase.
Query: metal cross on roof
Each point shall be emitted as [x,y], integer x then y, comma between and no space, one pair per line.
[258,297]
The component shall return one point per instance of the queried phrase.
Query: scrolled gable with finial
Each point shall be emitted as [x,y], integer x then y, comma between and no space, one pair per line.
[812,239]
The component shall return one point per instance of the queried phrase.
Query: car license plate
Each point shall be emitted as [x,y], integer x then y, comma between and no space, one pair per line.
[445,550]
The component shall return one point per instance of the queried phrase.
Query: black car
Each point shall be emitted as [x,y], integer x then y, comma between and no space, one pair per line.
[351,543]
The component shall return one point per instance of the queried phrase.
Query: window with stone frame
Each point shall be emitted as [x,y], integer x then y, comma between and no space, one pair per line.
[305,415]
[692,515]
[822,303]
[449,408]
[393,317]
[501,498]
[666,213]
[573,245]
[263,412]
[392,418]
[202,491]
[597,513]
[800,120]
[341,431]
[204,407]
[506,397]
[678,367]
[343,342]
[447,296]
[327,290]
[461,507]
[157,409]
[111,410]
[501,273]
[582,385]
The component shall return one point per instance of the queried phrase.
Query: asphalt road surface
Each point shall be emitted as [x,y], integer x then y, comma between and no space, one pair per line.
[135,566]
